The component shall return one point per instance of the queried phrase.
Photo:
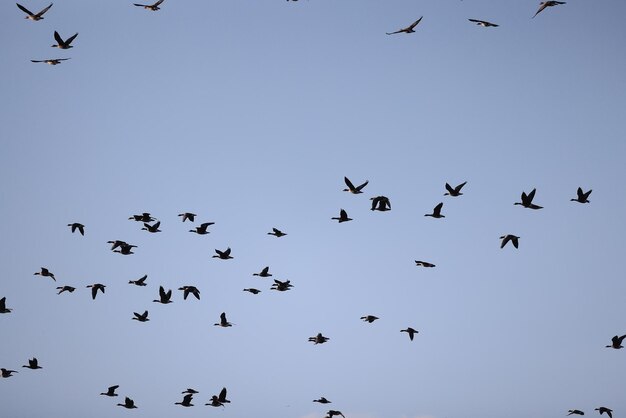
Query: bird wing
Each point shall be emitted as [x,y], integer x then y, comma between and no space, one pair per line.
[143,279]
[265,270]
[460,186]
[187,398]
[156,225]
[349,183]
[24,9]
[223,317]
[161,292]
[158,2]
[505,239]
[94,292]
[414,24]
[514,241]
[222,397]
[227,252]
[448,187]
[58,38]
[362,185]
[3,303]
[542,6]
[398,31]
[71,38]
[531,195]
[43,11]
[437,209]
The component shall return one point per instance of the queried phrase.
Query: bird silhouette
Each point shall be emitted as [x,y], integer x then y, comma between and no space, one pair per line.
[332,413]
[186,400]
[281,286]
[3,306]
[436,211]
[252,290]
[125,249]
[410,331]
[190,289]
[224,255]
[33,364]
[164,297]
[454,191]
[94,289]
[483,23]
[380,203]
[128,403]
[33,16]
[223,322]
[322,400]
[277,233]
[190,391]
[616,342]
[62,289]
[52,61]
[111,391]
[61,44]
[116,243]
[545,4]
[263,273]
[575,411]
[318,339]
[45,273]
[188,216]
[423,264]
[509,237]
[527,200]
[76,225]
[202,229]
[154,7]
[144,217]
[369,318]
[151,228]
[351,188]
[7,373]
[141,317]
[140,281]
[582,196]
[343,217]
[408,29]
[603,410]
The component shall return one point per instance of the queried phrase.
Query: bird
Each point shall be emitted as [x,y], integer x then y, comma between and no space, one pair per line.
[190,391]
[141,317]
[80,227]
[116,243]
[154,7]
[128,403]
[454,191]
[483,23]
[408,29]
[215,401]
[603,409]
[52,61]
[369,318]
[186,400]
[224,255]
[318,339]
[575,411]
[45,273]
[380,203]
[582,196]
[616,342]
[7,373]
[94,289]
[202,229]
[527,200]
[331,414]
[509,237]
[410,331]
[125,249]
[281,286]
[144,217]
[252,290]
[343,216]
[164,297]
[423,263]
[222,396]
[33,16]
[322,400]
[151,228]
[33,364]
[61,44]
[62,289]
[351,188]
[3,306]
[277,233]
[263,273]
[190,289]
[188,216]
[110,391]
[140,281]
[545,4]
[436,211]
[223,322]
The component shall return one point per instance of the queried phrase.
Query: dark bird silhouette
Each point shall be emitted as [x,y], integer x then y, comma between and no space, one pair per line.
[144,217]
[151,228]
[351,188]
[318,339]
[190,289]
[252,290]
[343,217]
[263,273]
[575,411]
[616,342]
[45,273]
[190,391]
[111,391]
[408,29]
[52,61]
[331,414]
[410,331]
[33,16]
[222,396]
[128,403]
[141,317]
[602,410]
[483,23]
[322,400]
[224,255]
[94,289]
[154,7]
[80,227]
[509,237]
[188,216]
[186,400]
[277,233]
[369,318]
[423,264]
[125,249]
[139,282]
[380,203]
[215,402]
[61,44]
[62,289]
[223,322]
[527,200]
[436,211]
[454,191]
[164,297]
[33,364]
[582,196]
[202,229]
[545,4]
[117,243]
[3,306]
[281,286]
[7,373]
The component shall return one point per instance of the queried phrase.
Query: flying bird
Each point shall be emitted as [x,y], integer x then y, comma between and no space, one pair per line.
[582,196]
[509,237]
[318,339]
[369,318]
[76,225]
[7,373]
[164,297]
[616,342]
[190,289]
[263,273]
[351,188]
[602,410]
[202,229]
[52,61]
[190,391]
[223,322]
[125,249]
[454,191]
[61,44]
[62,289]
[380,203]
[410,331]
[3,306]
[281,286]
[224,255]
[527,200]
[575,411]
[94,289]
[343,217]
[111,391]
[436,211]
[45,273]
[483,23]
[140,281]
[186,400]
[141,317]
[33,364]
[33,16]
[154,7]
[423,263]
[188,216]
[408,29]
[322,400]
[128,403]
[277,233]
[144,217]
[151,228]
[252,290]
[545,4]
[331,414]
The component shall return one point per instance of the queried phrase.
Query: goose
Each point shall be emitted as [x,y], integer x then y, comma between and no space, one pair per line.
[224,255]
[52,61]
[545,4]
[202,229]
[322,400]
[45,273]
[351,188]
[186,400]
[76,225]
[223,322]
[424,264]
[277,233]
[575,411]
[509,237]
[527,200]
[222,396]
[616,342]
[602,410]
[94,289]
[410,331]
[125,249]
[190,391]
[164,297]
[3,306]
[454,191]
[343,216]
[369,318]
[140,281]
[61,44]
[62,289]
[141,317]
[151,228]
[380,203]
[33,364]
[144,217]
[215,402]
[128,403]
[188,216]
[154,7]
[116,243]
[33,16]
[111,391]
[281,286]
[263,273]
[318,339]
[331,414]
[408,29]
[190,289]
[252,290]
[436,211]
[7,373]
[582,196]
[483,23]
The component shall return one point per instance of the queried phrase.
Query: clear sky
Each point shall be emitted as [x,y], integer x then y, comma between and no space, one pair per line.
[249,113]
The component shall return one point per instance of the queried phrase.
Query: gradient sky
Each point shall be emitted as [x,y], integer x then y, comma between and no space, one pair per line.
[249,113]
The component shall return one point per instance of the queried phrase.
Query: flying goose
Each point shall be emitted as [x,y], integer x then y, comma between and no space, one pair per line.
[582,196]
[224,255]
[343,217]
[454,191]
[128,403]
[277,233]
[111,391]
[436,211]
[252,290]
[33,16]
[190,391]
[281,286]
[223,322]
[76,225]
[322,400]
[202,229]
[52,61]
[125,249]
[61,44]
[33,364]
[423,263]
[151,228]
[527,200]
[483,23]
[575,411]
[410,331]
[141,317]
[140,281]
[545,4]
[263,273]
[331,414]
[602,410]
[94,289]
[62,289]
[45,273]
[380,203]
[3,306]
[186,400]
[7,373]
[369,318]
[188,215]
[144,217]
[509,237]
[190,289]
[164,297]
[318,339]
[408,29]
[154,7]
[351,188]
[616,342]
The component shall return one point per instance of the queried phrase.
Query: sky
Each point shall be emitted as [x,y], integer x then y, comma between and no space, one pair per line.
[249,114]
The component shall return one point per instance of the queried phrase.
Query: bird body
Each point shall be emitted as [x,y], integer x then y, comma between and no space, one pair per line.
[456,191]
[277,233]
[575,412]
[33,364]
[380,203]
[322,400]
[144,217]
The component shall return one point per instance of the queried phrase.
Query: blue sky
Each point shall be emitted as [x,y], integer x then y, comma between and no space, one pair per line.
[249,114]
